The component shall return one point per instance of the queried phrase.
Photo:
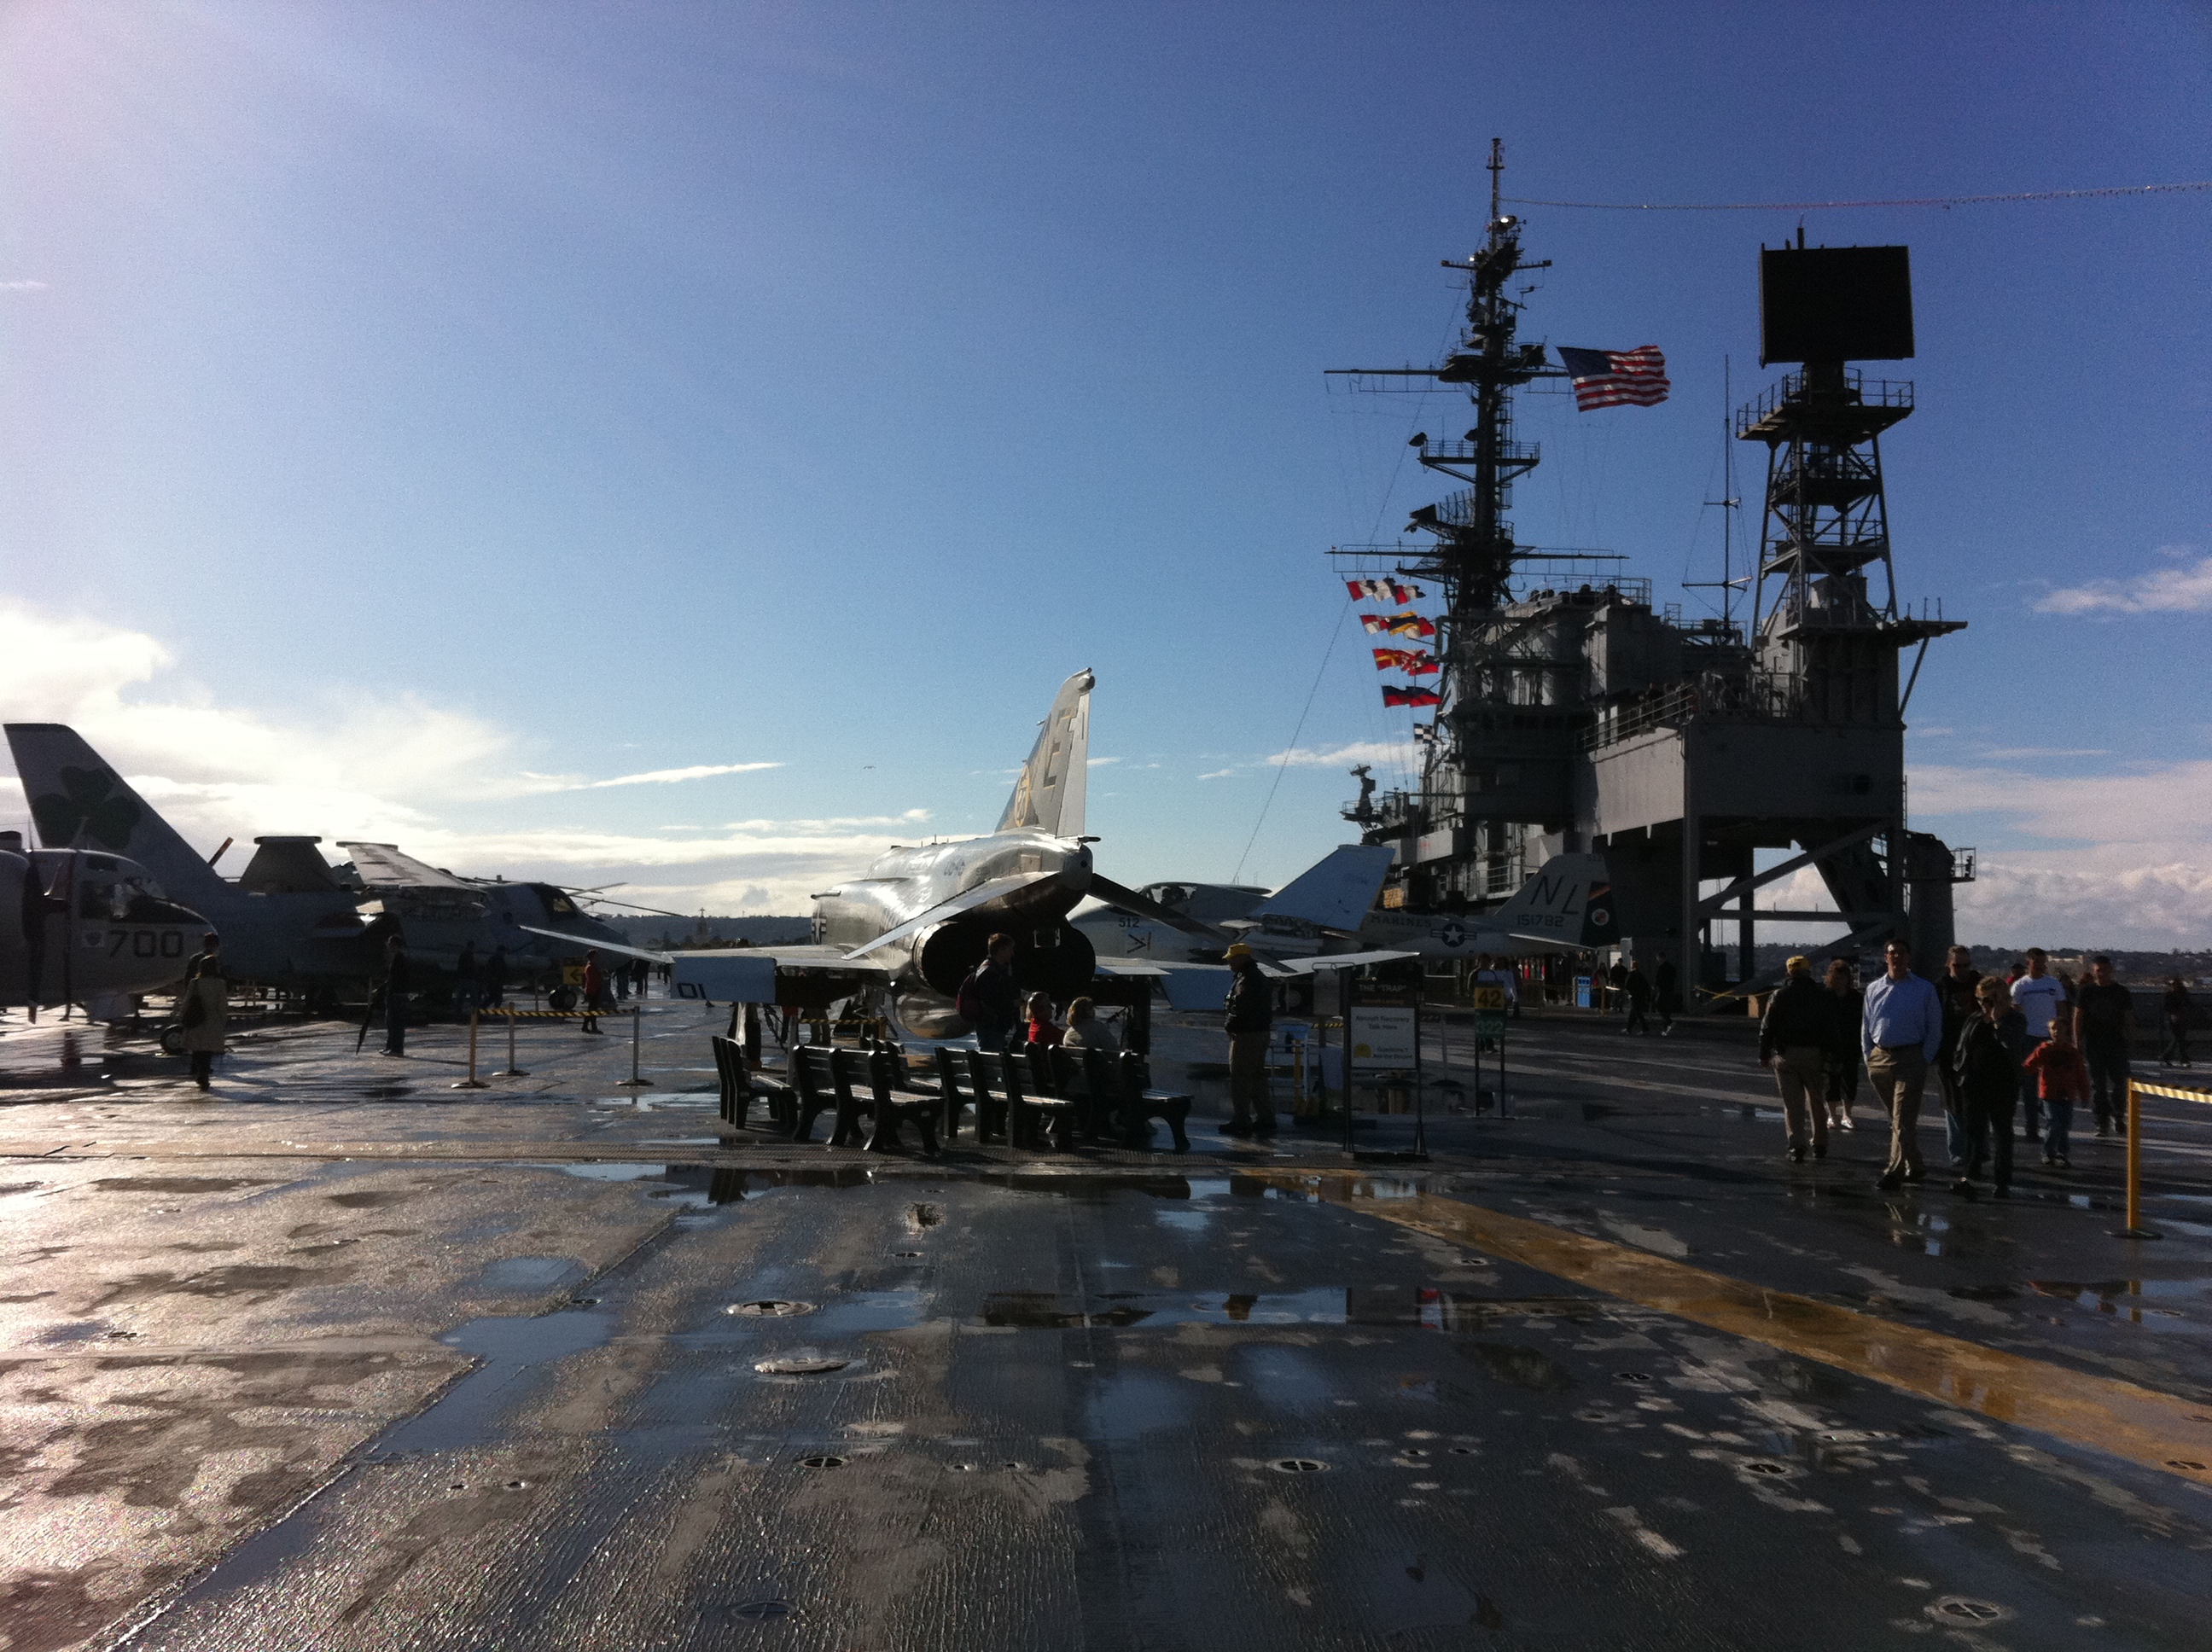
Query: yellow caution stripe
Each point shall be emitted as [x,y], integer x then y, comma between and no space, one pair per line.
[2143,1089]
[2158,1430]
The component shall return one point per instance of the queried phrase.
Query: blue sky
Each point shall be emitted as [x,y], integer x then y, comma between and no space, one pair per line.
[412,412]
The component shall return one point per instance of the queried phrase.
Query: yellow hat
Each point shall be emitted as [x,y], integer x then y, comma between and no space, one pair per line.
[1801,961]
[1237,949]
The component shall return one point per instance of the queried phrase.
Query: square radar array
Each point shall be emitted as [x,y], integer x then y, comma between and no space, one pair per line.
[1835,304]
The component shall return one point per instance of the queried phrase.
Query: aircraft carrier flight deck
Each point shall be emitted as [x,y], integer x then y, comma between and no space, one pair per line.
[339,1355]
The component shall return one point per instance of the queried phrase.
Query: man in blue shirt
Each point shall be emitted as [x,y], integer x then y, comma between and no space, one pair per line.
[1900,1033]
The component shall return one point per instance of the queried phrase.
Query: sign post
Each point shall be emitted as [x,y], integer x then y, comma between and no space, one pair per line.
[1490,1006]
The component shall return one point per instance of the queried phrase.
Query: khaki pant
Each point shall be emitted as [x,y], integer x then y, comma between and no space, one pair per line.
[1800,1074]
[1898,1077]
[1248,1100]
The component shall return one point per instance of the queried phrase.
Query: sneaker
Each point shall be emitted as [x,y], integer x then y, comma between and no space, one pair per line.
[2051,1161]
[2064,1163]
[1796,1155]
[1819,1150]
[1844,1123]
[1963,1188]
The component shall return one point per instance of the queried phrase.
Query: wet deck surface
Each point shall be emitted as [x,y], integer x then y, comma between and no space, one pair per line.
[345,1358]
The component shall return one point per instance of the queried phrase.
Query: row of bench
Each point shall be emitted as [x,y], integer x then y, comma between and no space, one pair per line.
[1026,1098]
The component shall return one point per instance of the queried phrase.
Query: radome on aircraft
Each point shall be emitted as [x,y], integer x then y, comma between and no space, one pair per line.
[82,926]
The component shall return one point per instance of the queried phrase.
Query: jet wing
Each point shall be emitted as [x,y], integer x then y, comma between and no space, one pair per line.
[591,943]
[1124,899]
[383,868]
[1130,967]
[1283,967]
[967,901]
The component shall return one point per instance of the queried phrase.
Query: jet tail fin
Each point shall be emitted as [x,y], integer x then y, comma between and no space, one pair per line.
[1568,901]
[77,800]
[1048,797]
[1335,892]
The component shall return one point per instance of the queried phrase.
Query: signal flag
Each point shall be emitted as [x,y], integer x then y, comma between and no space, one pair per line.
[1394,694]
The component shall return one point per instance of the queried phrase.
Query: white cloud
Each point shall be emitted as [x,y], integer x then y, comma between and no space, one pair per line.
[1340,756]
[379,769]
[22,287]
[2047,751]
[665,776]
[1101,762]
[1218,774]
[2164,590]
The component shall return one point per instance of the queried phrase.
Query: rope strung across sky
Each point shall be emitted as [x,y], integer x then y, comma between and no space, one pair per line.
[1812,206]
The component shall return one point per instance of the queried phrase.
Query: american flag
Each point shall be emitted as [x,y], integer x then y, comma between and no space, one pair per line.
[1612,378]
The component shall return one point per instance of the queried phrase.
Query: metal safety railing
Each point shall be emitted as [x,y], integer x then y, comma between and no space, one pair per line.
[636,1079]
[2137,1089]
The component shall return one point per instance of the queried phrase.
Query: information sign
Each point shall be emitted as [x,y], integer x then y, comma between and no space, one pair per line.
[1381,1036]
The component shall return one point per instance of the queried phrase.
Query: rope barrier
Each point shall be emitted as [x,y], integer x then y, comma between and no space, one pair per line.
[1821,206]
[2137,1090]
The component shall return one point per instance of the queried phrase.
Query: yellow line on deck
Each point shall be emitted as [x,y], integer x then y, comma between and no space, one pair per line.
[2159,1430]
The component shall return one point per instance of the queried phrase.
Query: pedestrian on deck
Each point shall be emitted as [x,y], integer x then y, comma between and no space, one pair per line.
[1639,988]
[1901,1031]
[2105,1022]
[618,981]
[210,943]
[1957,992]
[2063,1074]
[2038,994]
[595,993]
[1617,979]
[988,999]
[2175,1007]
[1044,1032]
[398,979]
[1989,1083]
[203,1009]
[1248,1017]
[641,972]
[1846,1007]
[1793,1040]
[1666,995]
[1085,1031]
[465,978]
[491,980]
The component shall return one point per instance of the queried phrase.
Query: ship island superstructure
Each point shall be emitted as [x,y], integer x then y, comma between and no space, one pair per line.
[1575,715]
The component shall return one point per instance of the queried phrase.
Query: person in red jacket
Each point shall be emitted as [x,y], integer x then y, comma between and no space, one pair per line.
[2061,1076]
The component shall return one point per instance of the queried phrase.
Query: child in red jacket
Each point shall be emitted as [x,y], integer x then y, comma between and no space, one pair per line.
[2062,1077]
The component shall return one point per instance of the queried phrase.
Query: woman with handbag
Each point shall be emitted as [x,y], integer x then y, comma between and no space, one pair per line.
[204,1011]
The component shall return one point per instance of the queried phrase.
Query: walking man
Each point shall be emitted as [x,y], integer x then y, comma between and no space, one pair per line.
[1961,1005]
[1665,993]
[1248,1017]
[1639,988]
[595,993]
[1793,1040]
[2105,1018]
[2037,995]
[397,975]
[1901,1032]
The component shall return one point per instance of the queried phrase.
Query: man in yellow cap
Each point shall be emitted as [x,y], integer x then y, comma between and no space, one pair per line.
[1793,1038]
[1249,1017]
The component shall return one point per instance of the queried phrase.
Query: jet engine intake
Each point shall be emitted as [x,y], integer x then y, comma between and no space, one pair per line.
[1055,958]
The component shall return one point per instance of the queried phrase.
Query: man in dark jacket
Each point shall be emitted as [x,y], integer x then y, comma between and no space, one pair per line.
[1638,989]
[1249,1017]
[989,999]
[1987,1061]
[2104,1015]
[397,984]
[1793,1040]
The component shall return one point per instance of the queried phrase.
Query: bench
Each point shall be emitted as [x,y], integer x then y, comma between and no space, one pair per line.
[1123,1103]
[741,1086]
[956,1088]
[848,1083]
[1031,1114]
[882,1069]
